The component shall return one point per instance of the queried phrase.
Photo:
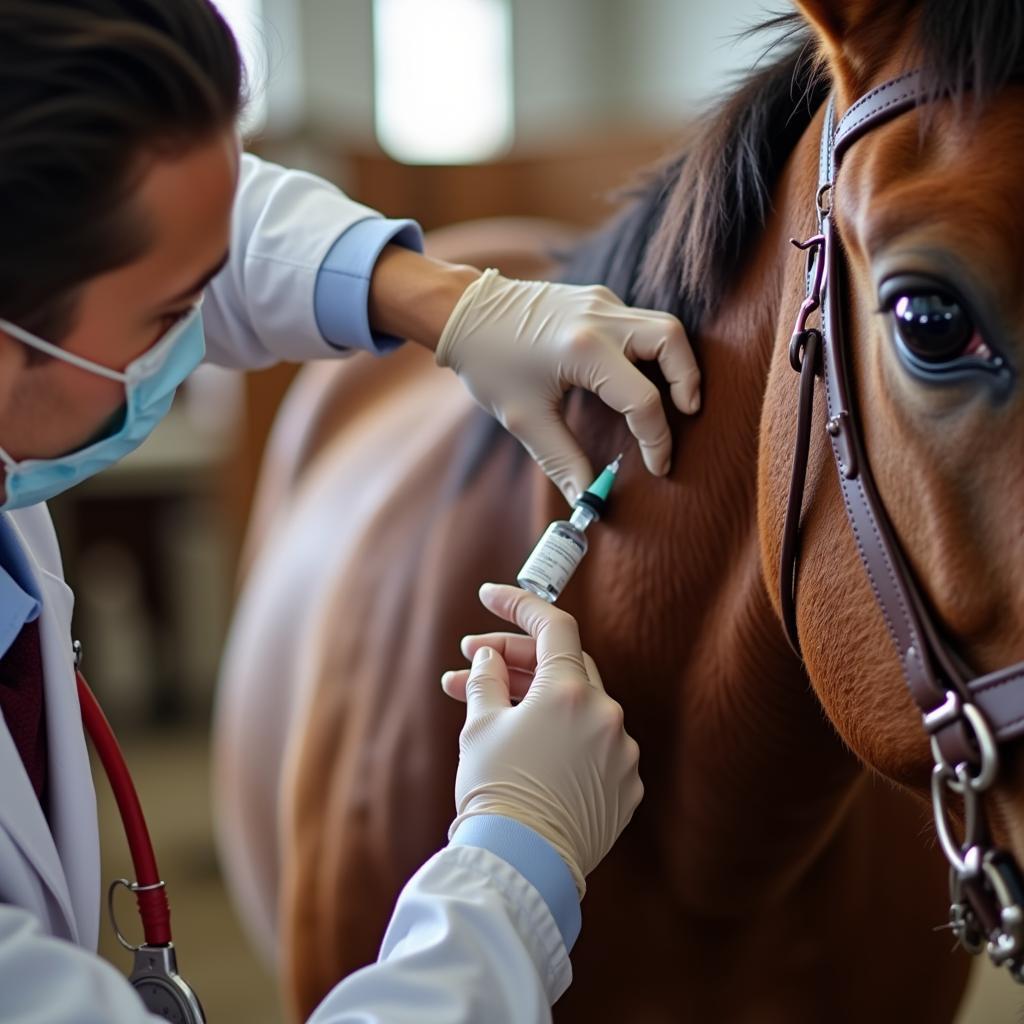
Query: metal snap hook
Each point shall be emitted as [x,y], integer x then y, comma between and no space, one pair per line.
[132,887]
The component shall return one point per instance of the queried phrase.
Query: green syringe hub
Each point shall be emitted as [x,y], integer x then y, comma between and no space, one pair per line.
[596,495]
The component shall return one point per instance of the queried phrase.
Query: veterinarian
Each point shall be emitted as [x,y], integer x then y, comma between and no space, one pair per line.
[136,241]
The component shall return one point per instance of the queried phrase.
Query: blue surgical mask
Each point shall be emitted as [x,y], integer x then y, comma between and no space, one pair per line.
[149,383]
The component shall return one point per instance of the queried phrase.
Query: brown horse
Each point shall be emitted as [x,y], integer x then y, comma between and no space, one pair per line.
[773,872]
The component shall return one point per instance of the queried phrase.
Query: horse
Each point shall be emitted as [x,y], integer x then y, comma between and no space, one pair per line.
[782,866]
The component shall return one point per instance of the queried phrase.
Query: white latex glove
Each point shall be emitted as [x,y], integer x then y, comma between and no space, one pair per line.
[560,761]
[520,345]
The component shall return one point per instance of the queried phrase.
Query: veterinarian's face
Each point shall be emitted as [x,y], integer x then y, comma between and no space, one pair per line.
[49,407]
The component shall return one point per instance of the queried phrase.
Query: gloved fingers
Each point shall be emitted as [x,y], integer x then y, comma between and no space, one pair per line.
[519,651]
[555,631]
[543,433]
[593,675]
[454,683]
[486,685]
[620,385]
[661,338]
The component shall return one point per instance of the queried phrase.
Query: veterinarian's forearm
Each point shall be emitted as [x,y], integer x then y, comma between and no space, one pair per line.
[412,296]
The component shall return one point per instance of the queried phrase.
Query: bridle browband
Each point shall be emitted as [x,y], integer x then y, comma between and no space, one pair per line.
[966,716]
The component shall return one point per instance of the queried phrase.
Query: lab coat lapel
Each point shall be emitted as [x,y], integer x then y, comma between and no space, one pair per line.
[65,852]
[72,797]
[22,818]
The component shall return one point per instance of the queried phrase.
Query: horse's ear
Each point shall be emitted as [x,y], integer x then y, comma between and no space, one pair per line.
[858,37]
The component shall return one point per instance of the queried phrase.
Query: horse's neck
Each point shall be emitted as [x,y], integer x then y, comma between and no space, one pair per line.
[744,773]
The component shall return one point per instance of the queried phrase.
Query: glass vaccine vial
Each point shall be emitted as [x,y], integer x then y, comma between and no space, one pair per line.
[564,543]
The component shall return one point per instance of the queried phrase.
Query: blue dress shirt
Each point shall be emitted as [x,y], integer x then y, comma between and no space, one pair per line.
[20,600]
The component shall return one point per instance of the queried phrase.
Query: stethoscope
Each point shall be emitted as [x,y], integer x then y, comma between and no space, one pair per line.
[155,971]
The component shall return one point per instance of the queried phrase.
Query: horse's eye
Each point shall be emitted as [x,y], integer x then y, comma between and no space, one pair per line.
[933,326]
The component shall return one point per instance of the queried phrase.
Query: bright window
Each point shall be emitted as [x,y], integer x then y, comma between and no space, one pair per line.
[443,79]
[246,20]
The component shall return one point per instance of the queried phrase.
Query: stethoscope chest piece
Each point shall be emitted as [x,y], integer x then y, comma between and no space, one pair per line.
[163,991]
[155,975]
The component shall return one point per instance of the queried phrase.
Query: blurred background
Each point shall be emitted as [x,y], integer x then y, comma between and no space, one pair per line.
[440,110]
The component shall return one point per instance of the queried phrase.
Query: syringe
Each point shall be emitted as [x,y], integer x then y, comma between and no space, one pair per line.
[563,545]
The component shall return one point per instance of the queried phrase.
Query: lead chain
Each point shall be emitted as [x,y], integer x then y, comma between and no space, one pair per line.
[977,870]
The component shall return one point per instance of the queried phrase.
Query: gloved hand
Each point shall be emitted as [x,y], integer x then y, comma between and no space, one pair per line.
[520,345]
[560,762]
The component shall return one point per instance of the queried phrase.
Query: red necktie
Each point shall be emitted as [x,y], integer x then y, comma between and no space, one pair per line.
[21,701]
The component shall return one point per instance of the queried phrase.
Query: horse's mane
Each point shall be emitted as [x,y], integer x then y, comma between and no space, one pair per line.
[681,244]
[682,240]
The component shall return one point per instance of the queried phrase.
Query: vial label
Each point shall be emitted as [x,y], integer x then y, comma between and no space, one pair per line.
[554,559]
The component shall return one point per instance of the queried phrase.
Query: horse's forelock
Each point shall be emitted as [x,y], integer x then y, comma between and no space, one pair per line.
[971,50]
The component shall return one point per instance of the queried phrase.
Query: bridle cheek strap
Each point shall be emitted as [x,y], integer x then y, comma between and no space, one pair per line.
[966,717]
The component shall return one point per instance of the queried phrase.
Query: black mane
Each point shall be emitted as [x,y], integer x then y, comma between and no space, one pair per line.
[683,240]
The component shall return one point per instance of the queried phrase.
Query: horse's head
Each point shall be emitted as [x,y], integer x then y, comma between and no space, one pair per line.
[928,211]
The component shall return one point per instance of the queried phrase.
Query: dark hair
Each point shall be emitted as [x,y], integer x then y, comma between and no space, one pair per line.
[683,243]
[719,195]
[87,89]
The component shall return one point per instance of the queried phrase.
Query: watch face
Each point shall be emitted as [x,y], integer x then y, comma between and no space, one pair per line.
[164,1000]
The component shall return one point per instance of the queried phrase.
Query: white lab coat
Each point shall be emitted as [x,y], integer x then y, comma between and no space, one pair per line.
[471,939]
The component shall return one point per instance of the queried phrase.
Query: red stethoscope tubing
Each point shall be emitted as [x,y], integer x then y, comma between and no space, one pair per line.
[150,891]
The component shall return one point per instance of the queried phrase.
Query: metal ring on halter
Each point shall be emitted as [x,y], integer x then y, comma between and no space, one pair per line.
[819,199]
[965,858]
[131,887]
[987,748]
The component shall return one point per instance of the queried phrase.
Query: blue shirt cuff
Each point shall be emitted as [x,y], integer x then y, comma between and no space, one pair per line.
[342,290]
[534,858]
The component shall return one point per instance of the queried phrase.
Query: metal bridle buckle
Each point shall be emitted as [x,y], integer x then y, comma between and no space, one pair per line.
[955,709]
[824,207]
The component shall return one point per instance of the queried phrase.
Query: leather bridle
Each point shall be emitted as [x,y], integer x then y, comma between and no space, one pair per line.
[967,717]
